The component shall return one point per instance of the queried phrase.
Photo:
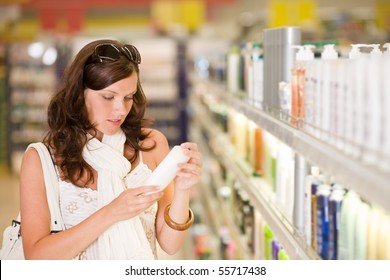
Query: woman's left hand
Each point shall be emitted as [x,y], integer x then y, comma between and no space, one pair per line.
[190,172]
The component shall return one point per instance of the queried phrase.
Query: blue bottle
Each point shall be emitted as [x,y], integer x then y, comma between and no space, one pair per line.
[335,200]
[323,193]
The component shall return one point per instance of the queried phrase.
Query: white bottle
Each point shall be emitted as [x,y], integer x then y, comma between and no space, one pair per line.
[285,179]
[358,76]
[328,55]
[310,89]
[340,89]
[285,100]
[258,73]
[373,101]
[234,70]
[166,171]
[385,144]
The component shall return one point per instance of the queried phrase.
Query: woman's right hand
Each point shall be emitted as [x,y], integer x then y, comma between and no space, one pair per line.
[133,201]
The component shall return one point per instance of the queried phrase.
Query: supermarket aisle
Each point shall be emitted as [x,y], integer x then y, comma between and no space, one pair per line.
[9,199]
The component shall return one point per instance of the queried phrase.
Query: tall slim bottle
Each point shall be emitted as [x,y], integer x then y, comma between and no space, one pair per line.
[312,178]
[358,75]
[335,201]
[373,101]
[328,55]
[348,216]
[385,141]
[374,226]
[361,232]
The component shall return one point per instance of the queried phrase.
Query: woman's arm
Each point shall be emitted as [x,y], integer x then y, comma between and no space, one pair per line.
[177,194]
[38,243]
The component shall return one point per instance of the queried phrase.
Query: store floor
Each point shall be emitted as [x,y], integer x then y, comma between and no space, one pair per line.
[9,208]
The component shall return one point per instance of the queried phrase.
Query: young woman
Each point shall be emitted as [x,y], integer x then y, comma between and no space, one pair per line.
[103,151]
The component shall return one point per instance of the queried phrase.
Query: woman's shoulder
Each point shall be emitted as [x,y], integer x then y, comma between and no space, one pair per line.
[31,155]
[31,164]
[159,142]
[155,137]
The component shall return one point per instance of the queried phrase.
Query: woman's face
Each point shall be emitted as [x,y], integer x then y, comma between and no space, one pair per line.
[107,108]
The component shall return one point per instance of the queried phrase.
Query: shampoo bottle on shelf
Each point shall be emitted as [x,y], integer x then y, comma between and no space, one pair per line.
[258,74]
[234,70]
[340,88]
[303,55]
[384,233]
[256,148]
[385,140]
[328,55]
[314,187]
[348,216]
[246,51]
[335,200]
[241,135]
[268,237]
[252,126]
[300,172]
[285,179]
[373,101]
[285,93]
[270,163]
[361,232]
[296,74]
[311,179]
[259,237]
[374,226]
[282,255]
[323,193]
[308,57]
[311,89]
[358,75]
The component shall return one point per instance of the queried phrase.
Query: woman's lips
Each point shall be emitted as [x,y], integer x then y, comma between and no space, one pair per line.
[115,121]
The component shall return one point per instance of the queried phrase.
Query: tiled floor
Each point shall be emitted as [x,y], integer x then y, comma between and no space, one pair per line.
[9,208]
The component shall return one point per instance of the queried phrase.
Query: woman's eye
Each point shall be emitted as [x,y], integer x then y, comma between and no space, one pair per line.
[128,98]
[108,97]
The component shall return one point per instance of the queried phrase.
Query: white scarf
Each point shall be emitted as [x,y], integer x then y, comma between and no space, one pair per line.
[126,239]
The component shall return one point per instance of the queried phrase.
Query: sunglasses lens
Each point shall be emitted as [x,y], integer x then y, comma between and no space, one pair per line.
[133,53]
[111,52]
[107,52]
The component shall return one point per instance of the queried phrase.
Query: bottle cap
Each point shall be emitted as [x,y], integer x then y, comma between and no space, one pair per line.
[386,46]
[329,52]
[300,55]
[375,50]
[355,51]
[309,53]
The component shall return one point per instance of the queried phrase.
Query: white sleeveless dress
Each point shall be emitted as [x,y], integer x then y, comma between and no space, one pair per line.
[79,203]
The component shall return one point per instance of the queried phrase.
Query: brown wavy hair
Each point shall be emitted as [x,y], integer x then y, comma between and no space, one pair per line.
[68,117]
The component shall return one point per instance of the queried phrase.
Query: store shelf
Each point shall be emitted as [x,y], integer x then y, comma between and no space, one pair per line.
[214,203]
[371,183]
[256,189]
[30,83]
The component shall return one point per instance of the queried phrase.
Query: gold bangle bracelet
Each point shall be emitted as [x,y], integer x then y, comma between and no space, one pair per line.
[173,225]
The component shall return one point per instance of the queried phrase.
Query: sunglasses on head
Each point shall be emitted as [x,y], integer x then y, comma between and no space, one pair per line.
[111,52]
